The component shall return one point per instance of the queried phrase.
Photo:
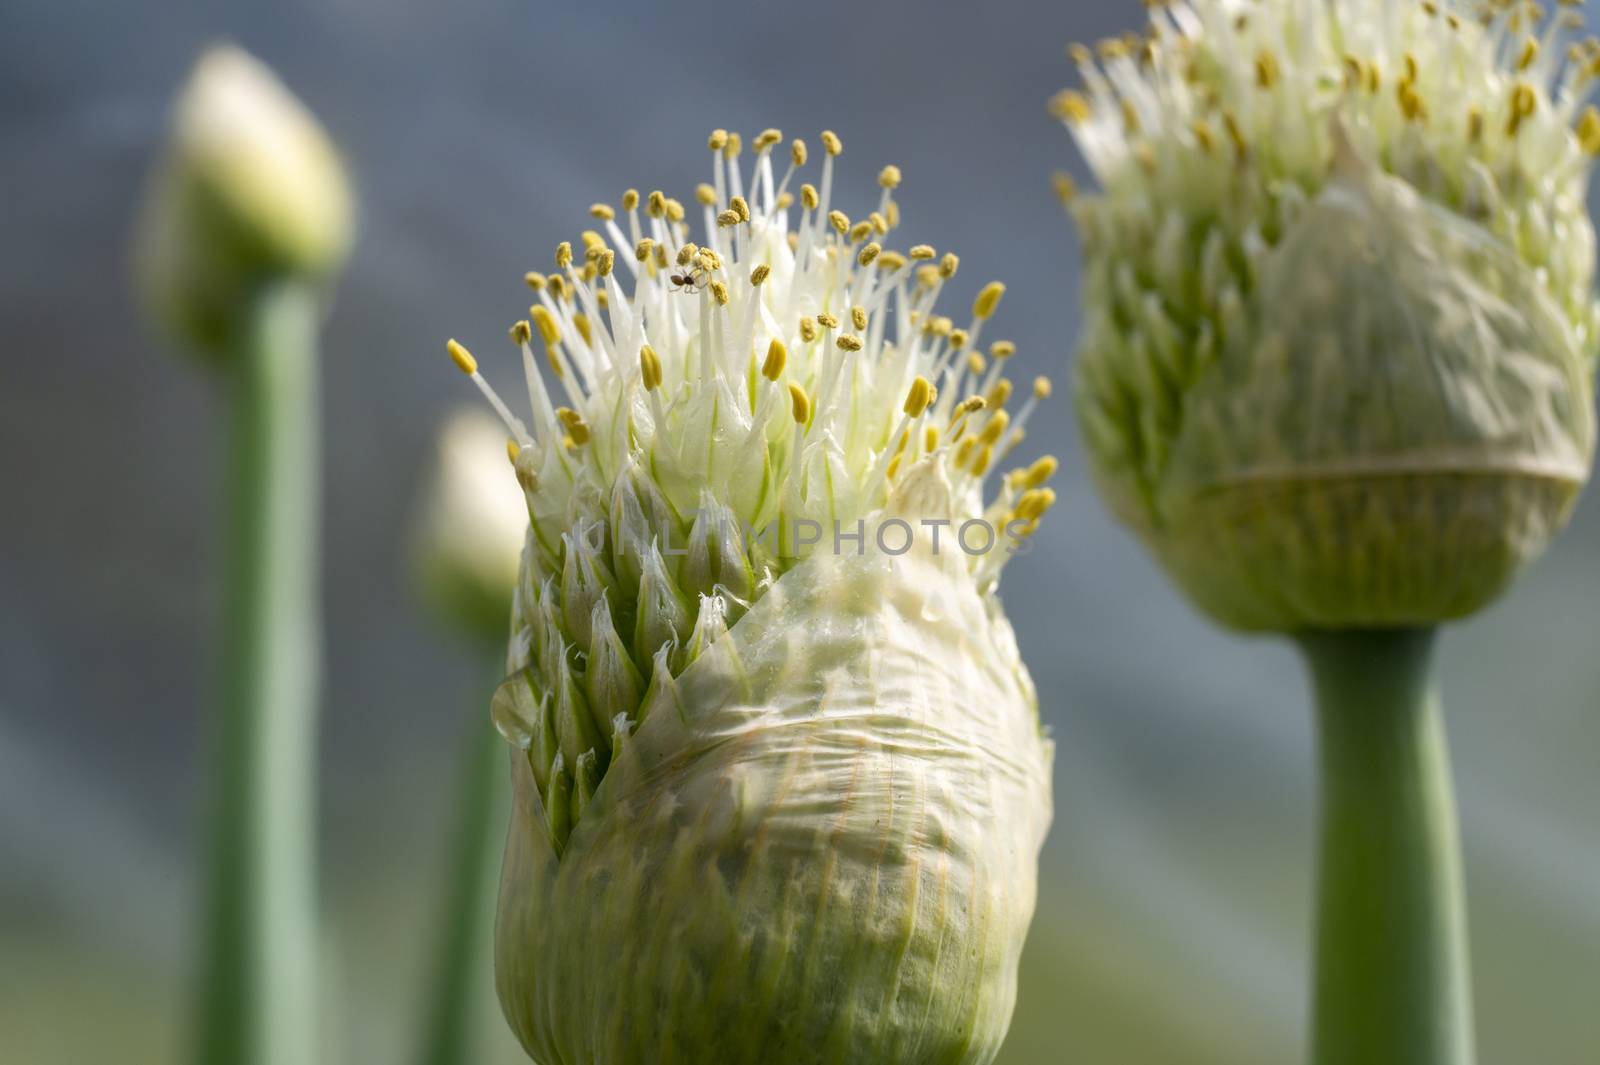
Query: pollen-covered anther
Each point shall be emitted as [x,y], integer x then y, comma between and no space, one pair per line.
[919,396]
[831,143]
[869,251]
[839,221]
[521,332]
[603,211]
[826,320]
[760,274]
[848,342]
[858,317]
[889,177]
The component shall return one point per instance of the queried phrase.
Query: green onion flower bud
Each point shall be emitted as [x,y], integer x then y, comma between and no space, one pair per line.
[1338,351]
[470,526]
[249,191]
[780,778]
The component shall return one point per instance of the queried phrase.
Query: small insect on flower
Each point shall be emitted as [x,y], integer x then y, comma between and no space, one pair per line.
[780,778]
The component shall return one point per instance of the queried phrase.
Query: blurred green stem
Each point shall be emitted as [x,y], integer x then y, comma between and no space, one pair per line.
[259,987]
[1392,984]
[462,987]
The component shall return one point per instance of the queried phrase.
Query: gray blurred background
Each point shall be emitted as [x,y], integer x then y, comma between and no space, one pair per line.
[1174,898]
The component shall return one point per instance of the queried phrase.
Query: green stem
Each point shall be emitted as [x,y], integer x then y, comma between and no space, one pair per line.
[462,985]
[1392,984]
[259,989]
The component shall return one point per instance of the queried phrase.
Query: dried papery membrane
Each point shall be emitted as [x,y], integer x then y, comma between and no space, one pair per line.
[822,849]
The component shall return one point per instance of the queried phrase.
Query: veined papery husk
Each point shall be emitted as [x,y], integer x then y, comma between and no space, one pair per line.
[821,847]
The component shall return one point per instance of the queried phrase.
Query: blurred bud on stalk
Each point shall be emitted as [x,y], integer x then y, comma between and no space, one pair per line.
[249,191]
[470,527]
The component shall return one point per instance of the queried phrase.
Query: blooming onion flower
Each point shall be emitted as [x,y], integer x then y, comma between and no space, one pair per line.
[780,779]
[1338,355]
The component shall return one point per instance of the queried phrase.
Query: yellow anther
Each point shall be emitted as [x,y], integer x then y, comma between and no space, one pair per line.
[605,262]
[984,306]
[891,260]
[545,323]
[949,264]
[1041,387]
[734,146]
[777,358]
[461,357]
[656,205]
[587,273]
[980,464]
[674,210]
[705,195]
[642,250]
[687,252]
[889,177]
[718,140]
[848,342]
[1530,52]
[513,449]
[860,231]
[727,218]
[785,201]
[799,404]
[808,330]
[808,196]
[580,322]
[708,259]
[767,138]
[831,143]
[1204,137]
[1002,349]
[1523,103]
[630,199]
[1000,394]
[839,221]
[826,320]
[919,397]
[927,277]
[930,438]
[564,254]
[1069,105]
[534,280]
[976,363]
[959,338]
[964,451]
[1034,503]
[603,298]
[858,317]
[1266,69]
[939,326]
[649,368]
[880,224]
[1411,105]
[1589,130]
[797,152]
[741,206]
[893,469]
[1412,69]
[603,211]
[1065,188]
[558,286]
[892,218]
[577,428]
[719,292]
[996,428]
[760,274]
[869,251]
[1041,471]
[521,332]
[922,251]
[1130,116]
